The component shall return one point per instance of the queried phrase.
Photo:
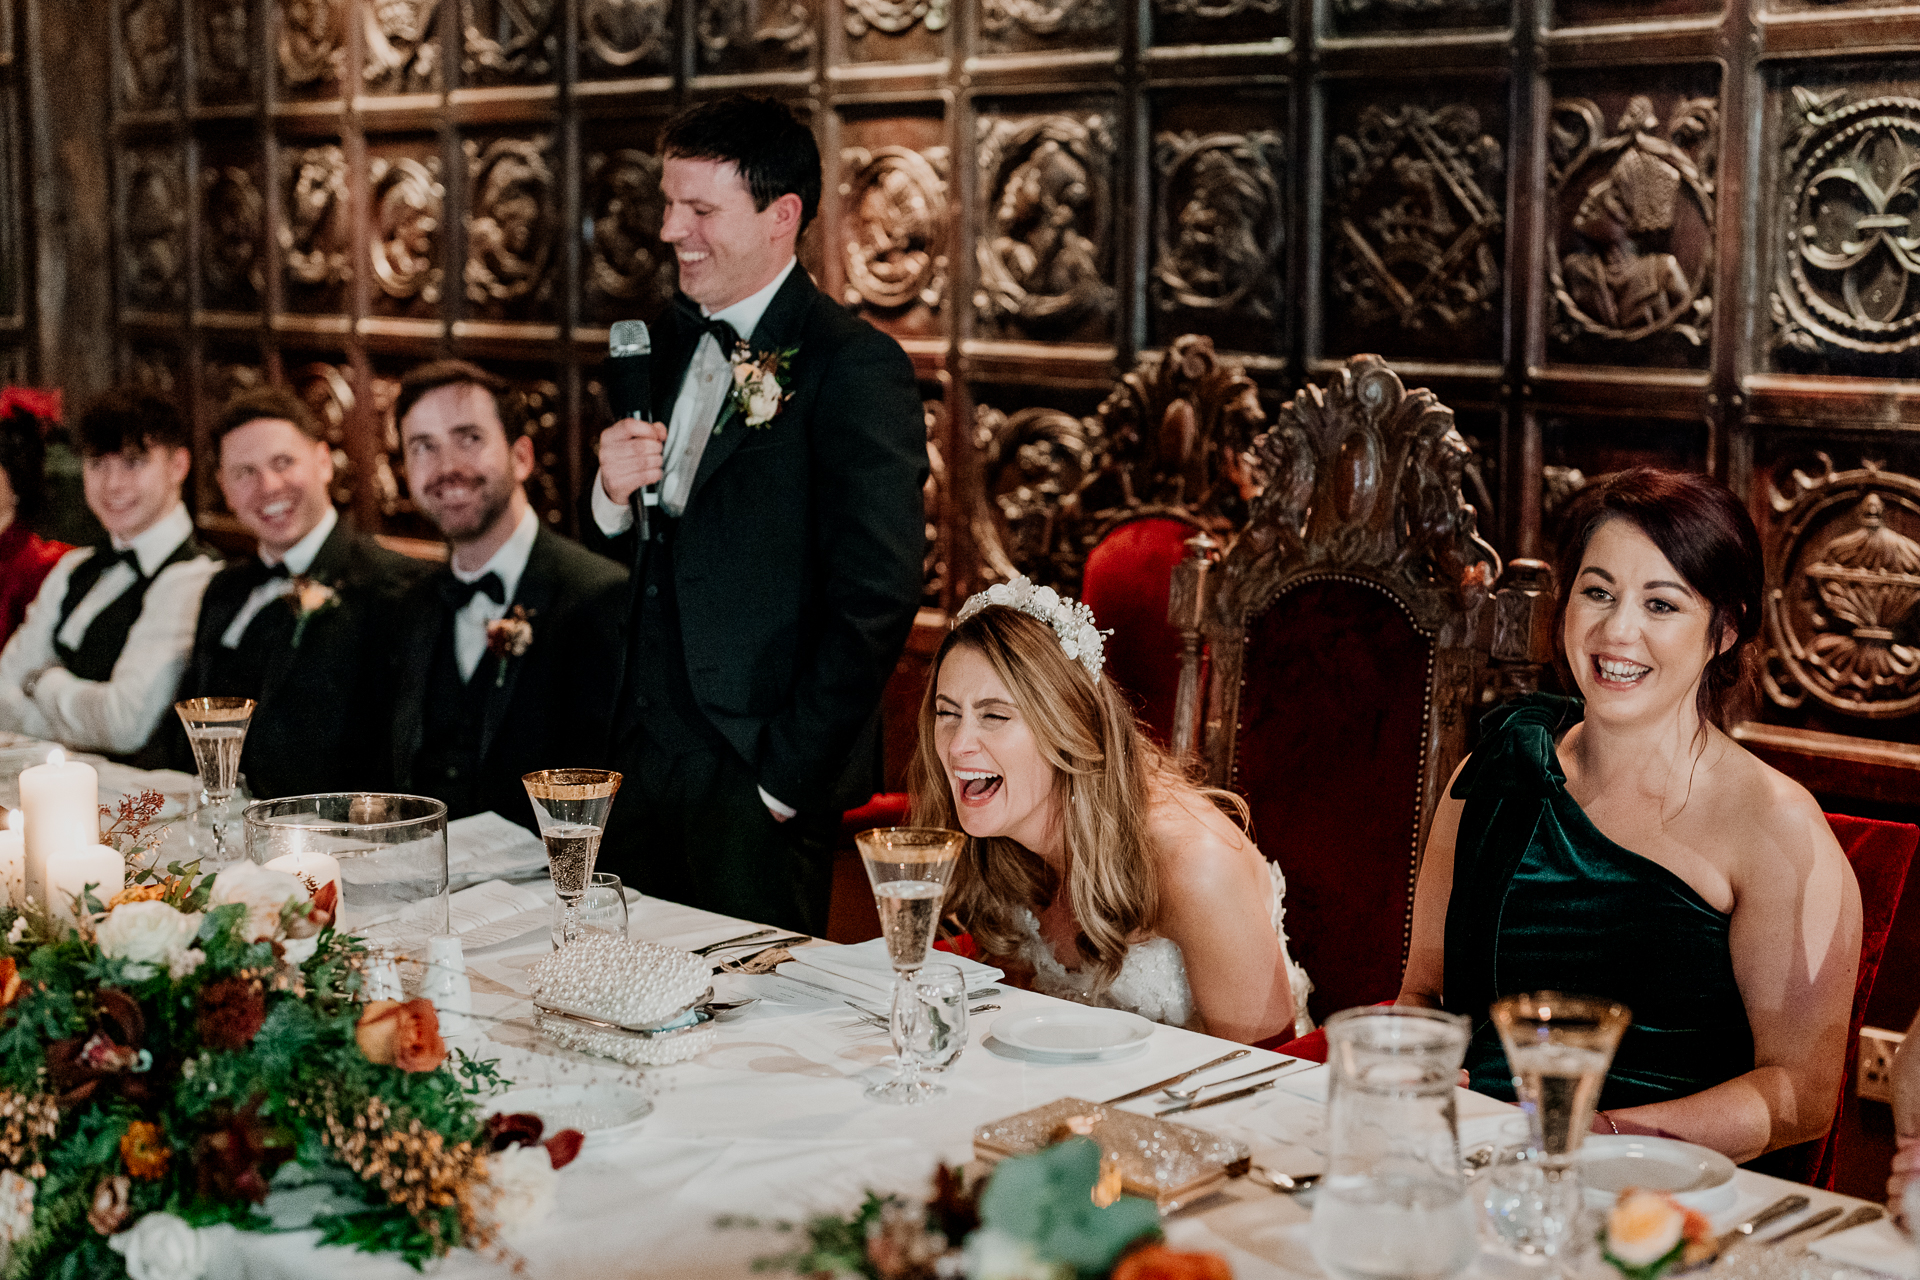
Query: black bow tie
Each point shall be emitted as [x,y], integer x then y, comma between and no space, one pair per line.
[459,594]
[257,573]
[109,558]
[696,322]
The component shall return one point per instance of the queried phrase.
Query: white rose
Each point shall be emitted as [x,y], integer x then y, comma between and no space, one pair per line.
[298,951]
[18,931]
[1643,1227]
[742,372]
[161,1247]
[182,963]
[16,1207]
[764,402]
[261,892]
[520,1187]
[989,1255]
[148,933]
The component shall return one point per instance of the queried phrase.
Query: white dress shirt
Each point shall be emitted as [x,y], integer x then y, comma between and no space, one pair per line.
[116,715]
[470,620]
[703,394]
[298,559]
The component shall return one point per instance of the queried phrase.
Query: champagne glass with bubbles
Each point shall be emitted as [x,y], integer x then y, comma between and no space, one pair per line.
[910,869]
[217,730]
[572,807]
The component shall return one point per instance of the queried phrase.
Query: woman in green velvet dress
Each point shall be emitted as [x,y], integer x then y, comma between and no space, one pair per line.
[1622,845]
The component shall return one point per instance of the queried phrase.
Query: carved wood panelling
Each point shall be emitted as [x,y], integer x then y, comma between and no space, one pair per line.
[629,273]
[509,41]
[224,35]
[1020,25]
[1630,245]
[150,53]
[310,47]
[938,500]
[316,252]
[1416,227]
[754,35]
[401,50]
[153,245]
[233,226]
[1044,226]
[1367,17]
[1185,22]
[406,243]
[896,223]
[513,227]
[625,37]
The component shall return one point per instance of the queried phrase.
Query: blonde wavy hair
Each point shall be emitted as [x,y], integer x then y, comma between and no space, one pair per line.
[1106,774]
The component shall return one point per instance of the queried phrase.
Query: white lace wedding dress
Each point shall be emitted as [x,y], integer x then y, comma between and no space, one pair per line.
[1152,981]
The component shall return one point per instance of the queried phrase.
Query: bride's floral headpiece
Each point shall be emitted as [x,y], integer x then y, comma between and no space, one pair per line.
[1072,621]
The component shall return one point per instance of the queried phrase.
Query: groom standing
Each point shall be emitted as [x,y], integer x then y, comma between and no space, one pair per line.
[783,565]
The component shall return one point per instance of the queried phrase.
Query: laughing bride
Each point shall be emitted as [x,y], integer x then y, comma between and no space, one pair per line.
[1093,869]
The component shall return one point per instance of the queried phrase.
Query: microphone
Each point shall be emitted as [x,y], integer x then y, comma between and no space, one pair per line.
[629,381]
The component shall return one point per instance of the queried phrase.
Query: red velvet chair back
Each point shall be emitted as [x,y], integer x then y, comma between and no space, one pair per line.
[1126,581]
[1330,743]
[1881,854]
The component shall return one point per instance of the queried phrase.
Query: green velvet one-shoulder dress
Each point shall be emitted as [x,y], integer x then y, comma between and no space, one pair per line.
[1543,901]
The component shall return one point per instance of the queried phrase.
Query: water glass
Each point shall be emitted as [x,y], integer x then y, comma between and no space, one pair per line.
[603,907]
[930,1015]
[1526,1210]
[1393,1202]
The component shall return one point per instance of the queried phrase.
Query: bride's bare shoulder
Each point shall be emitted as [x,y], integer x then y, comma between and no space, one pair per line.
[1195,841]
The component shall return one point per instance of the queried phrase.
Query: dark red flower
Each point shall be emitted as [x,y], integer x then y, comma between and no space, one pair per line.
[230,1012]
[501,1130]
[563,1146]
[237,1158]
[110,1056]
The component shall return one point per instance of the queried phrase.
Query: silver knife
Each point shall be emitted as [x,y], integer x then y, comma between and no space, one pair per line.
[1780,1208]
[1858,1218]
[1214,1102]
[1819,1219]
[1158,1085]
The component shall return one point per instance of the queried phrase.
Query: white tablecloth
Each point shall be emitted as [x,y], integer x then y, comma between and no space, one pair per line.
[771,1124]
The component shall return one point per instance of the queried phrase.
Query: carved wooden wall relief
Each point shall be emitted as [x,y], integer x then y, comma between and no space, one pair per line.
[399,51]
[1358,16]
[623,36]
[233,233]
[313,233]
[1219,228]
[1034,463]
[310,46]
[512,229]
[746,34]
[892,17]
[327,390]
[403,242]
[1045,226]
[1415,216]
[896,227]
[224,42]
[224,372]
[1017,23]
[937,563]
[1843,593]
[154,246]
[150,36]
[1630,256]
[1848,278]
[630,273]
[509,40]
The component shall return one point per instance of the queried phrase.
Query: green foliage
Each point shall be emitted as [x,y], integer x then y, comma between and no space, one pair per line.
[1046,1199]
[835,1246]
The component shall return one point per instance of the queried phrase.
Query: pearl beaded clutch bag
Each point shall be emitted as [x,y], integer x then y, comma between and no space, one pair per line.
[641,986]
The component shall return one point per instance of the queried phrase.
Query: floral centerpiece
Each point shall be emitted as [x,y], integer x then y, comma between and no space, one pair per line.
[1649,1233]
[1045,1216]
[170,1055]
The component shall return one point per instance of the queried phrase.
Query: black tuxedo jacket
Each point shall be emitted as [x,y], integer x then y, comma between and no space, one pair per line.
[798,563]
[553,708]
[325,704]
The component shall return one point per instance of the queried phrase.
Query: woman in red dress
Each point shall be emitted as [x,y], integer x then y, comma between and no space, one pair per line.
[25,557]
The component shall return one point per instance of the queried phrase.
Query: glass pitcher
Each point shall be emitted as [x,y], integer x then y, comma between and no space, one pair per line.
[1393,1202]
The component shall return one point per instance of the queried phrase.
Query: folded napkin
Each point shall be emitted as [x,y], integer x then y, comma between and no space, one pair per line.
[1878,1246]
[485,846]
[865,972]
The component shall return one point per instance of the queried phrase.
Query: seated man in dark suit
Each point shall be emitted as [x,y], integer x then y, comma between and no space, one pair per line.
[502,652]
[305,626]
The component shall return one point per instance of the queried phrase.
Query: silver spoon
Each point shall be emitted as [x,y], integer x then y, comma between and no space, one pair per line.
[1285,1184]
[1187,1093]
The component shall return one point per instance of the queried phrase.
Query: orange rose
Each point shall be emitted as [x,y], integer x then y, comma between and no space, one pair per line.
[144,1147]
[1157,1262]
[9,981]
[406,1036]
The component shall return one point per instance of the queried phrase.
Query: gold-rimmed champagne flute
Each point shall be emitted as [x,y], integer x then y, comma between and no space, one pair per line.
[910,869]
[217,730]
[572,807]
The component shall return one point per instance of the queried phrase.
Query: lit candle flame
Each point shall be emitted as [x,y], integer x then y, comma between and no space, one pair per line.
[56,756]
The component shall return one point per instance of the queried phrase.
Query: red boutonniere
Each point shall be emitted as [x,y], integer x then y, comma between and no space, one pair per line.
[509,638]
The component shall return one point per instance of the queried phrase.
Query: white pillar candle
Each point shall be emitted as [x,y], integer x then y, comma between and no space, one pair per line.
[61,799]
[13,858]
[68,872]
[316,867]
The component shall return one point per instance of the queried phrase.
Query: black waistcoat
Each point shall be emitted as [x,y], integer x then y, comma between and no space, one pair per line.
[663,696]
[106,635]
[448,764]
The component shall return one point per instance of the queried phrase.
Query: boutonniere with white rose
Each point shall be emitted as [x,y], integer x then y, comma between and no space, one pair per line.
[309,597]
[1649,1233]
[758,390]
[508,638]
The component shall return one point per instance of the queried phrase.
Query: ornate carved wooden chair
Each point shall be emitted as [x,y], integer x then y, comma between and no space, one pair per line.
[1350,628]
[1102,507]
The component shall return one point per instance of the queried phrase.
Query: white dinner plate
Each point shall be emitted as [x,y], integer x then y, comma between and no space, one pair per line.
[593,1109]
[1072,1031]
[1695,1176]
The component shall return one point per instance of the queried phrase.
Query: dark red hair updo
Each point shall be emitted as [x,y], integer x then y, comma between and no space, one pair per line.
[1704,532]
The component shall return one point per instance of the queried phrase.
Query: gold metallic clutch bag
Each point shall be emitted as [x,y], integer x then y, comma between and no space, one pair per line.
[1170,1164]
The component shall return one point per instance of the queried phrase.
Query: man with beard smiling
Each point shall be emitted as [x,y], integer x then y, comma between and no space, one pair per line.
[499,651]
[304,626]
